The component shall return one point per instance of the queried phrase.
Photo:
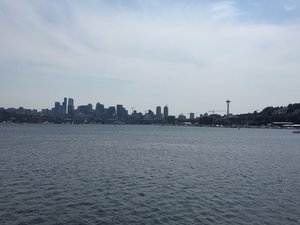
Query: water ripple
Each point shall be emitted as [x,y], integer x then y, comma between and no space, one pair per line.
[91,174]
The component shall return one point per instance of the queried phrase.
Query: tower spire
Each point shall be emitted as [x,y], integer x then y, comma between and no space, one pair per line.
[228,101]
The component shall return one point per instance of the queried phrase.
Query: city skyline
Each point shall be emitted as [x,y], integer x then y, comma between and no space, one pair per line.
[66,112]
[68,107]
[191,55]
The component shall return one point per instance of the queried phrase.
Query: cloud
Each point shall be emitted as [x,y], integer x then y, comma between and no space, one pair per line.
[289,7]
[224,9]
[203,53]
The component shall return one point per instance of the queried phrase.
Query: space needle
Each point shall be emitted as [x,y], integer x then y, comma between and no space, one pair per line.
[228,101]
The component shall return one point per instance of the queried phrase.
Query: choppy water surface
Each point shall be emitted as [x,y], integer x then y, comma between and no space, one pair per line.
[103,174]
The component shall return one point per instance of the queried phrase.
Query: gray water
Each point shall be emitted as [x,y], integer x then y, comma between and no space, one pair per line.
[105,174]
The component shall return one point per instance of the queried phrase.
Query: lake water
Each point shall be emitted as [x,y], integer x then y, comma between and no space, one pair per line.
[105,174]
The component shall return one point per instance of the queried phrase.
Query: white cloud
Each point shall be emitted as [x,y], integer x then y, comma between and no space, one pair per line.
[289,7]
[224,9]
[191,57]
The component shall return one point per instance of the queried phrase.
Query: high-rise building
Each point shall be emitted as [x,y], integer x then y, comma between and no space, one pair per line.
[120,112]
[70,106]
[64,106]
[57,108]
[166,111]
[182,117]
[192,116]
[111,112]
[85,109]
[158,112]
[99,111]
[56,105]
[60,109]
[90,108]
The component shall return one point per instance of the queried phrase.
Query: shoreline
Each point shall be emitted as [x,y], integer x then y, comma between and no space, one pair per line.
[164,125]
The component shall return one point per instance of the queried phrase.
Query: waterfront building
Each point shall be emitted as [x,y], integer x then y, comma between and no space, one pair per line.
[85,109]
[135,116]
[192,116]
[120,112]
[111,112]
[150,112]
[181,117]
[166,112]
[70,106]
[99,111]
[44,112]
[149,115]
[57,110]
[158,112]
[56,105]
[64,106]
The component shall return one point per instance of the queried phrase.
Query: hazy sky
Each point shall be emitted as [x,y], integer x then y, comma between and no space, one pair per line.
[192,55]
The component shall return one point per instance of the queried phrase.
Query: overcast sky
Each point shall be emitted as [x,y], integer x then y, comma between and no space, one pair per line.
[192,55]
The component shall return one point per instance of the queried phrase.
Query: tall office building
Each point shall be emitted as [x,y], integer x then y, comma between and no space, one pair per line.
[111,112]
[120,112]
[192,116]
[99,111]
[70,106]
[158,112]
[57,108]
[85,109]
[166,111]
[64,106]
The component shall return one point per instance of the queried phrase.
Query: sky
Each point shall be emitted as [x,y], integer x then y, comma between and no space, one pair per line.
[188,54]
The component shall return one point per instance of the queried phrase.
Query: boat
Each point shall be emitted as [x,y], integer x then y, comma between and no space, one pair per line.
[296,132]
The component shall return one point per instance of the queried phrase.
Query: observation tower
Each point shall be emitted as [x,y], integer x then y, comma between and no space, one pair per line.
[228,101]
